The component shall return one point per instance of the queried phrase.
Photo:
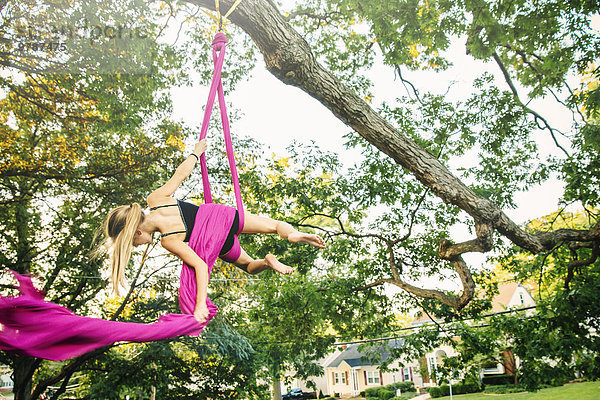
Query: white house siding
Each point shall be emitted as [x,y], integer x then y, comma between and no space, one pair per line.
[357,377]
[321,382]
[434,359]
[520,298]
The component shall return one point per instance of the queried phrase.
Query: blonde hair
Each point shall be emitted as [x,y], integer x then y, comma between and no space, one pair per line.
[120,226]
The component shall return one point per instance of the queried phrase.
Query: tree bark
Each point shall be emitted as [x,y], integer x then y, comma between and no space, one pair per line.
[276,388]
[23,369]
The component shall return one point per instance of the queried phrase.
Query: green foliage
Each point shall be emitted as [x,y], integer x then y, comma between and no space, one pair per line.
[385,394]
[458,388]
[408,386]
[503,389]
[498,379]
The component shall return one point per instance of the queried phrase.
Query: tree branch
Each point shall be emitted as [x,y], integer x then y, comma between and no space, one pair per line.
[536,115]
[289,58]
[576,263]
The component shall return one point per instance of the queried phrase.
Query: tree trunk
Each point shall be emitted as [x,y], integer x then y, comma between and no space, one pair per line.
[276,388]
[23,369]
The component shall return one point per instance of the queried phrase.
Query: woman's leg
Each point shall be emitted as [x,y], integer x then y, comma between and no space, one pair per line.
[256,224]
[253,266]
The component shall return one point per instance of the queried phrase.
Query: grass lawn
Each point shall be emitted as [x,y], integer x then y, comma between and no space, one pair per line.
[576,391]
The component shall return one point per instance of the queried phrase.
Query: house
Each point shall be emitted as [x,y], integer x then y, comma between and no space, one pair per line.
[351,371]
[511,295]
[320,383]
[6,383]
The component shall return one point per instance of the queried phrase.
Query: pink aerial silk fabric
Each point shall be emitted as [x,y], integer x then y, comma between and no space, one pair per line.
[216,87]
[34,327]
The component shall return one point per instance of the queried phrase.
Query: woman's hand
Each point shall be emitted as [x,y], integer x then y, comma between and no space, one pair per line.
[200,147]
[201,312]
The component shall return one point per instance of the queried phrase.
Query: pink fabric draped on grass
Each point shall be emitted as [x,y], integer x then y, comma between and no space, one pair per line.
[37,328]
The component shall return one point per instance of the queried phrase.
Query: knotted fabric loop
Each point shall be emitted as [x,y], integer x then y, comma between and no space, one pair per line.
[216,88]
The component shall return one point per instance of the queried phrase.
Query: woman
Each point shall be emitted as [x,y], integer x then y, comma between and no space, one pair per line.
[129,226]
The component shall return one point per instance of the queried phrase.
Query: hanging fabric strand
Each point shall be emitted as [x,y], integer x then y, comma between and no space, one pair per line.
[216,88]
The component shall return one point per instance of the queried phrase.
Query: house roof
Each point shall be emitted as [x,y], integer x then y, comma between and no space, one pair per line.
[505,293]
[356,358]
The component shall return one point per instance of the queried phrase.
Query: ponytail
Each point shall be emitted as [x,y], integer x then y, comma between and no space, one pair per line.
[120,226]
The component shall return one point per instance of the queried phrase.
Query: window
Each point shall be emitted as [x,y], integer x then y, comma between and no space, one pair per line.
[431,364]
[373,378]
[406,374]
[521,297]
[340,377]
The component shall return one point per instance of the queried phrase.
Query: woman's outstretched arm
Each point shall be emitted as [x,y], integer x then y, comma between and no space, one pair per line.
[181,173]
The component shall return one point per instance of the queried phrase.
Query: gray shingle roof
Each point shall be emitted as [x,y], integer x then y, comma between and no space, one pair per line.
[356,358]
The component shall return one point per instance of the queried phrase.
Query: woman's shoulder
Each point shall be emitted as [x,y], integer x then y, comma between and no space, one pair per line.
[154,201]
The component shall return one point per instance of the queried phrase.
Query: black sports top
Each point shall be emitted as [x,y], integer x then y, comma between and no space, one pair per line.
[188,213]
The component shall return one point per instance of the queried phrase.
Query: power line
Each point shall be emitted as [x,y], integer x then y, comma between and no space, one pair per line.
[420,326]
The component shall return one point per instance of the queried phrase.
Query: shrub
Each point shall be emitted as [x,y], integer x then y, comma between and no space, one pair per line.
[385,394]
[321,394]
[458,388]
[407,386]
[363,394]
[504,389]
[499,380]
[372,392]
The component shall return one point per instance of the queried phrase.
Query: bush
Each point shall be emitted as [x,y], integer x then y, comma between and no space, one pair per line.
[407,386]
[459,388]
[321,394]
[504,389]
[439,391]
[363,394]
[385,394]
[372,392]
[499,380]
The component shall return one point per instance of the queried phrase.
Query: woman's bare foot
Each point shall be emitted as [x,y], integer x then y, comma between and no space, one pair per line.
[309,238]
[277,265]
